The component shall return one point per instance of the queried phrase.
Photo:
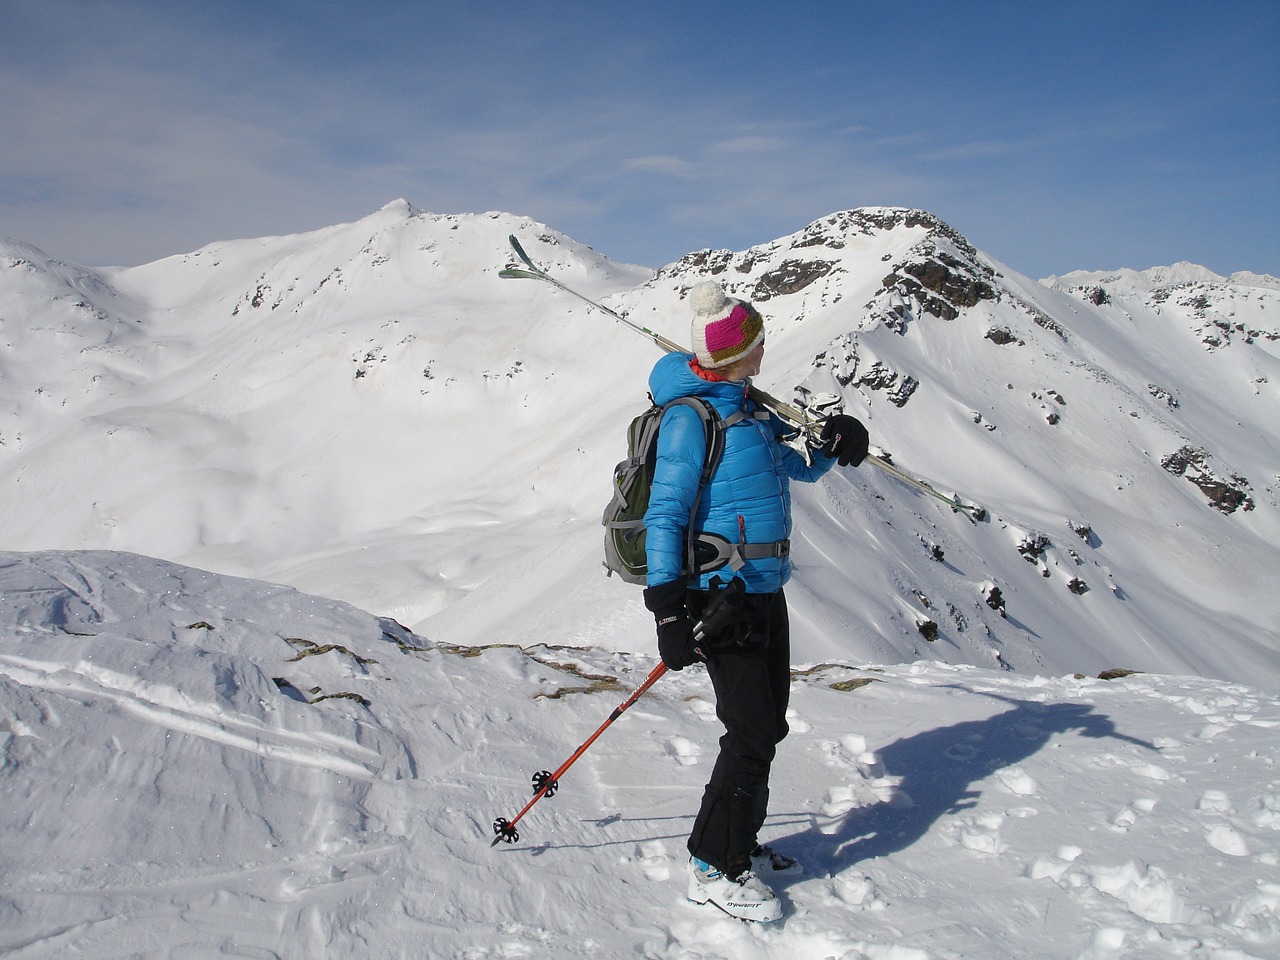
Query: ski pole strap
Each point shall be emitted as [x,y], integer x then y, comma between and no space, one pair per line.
[713,552]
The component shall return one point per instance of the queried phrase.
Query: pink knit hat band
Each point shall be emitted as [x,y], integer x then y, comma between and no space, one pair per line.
[735,336]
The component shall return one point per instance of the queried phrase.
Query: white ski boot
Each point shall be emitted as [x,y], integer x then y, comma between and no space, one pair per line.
[744,897]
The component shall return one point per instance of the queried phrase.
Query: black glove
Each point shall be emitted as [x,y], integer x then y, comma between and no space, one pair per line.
[668,602]
[845,438]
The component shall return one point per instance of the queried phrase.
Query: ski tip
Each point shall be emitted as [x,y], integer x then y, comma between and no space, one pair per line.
[515,245]
[519,273]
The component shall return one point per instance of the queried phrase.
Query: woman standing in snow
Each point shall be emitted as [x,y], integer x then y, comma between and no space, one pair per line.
[745,511]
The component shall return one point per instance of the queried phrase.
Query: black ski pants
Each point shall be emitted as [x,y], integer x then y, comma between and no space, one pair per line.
[751,676]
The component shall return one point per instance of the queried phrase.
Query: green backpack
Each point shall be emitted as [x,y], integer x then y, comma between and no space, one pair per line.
[624,538]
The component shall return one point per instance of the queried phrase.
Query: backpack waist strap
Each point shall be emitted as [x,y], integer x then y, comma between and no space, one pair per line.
[712,552]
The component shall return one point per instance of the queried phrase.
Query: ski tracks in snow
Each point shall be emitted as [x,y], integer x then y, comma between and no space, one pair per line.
[171,709]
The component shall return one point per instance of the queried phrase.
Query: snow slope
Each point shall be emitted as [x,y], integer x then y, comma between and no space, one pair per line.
[369,413]
[188,772]
[1128,283]
[200,760]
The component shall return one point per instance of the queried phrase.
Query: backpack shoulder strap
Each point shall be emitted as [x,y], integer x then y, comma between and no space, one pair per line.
[714,427]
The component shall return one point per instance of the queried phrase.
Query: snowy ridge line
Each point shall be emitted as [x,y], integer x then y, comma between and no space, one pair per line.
[167,707]
[631,664]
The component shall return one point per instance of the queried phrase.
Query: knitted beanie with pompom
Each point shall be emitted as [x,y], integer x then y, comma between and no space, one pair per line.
[724,330]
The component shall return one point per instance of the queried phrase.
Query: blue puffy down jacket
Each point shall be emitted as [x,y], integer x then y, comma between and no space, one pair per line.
[749,494]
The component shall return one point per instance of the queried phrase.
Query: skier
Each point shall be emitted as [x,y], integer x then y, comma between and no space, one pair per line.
[743,526]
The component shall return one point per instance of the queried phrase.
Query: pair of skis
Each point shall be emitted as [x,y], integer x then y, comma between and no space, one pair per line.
[793,416]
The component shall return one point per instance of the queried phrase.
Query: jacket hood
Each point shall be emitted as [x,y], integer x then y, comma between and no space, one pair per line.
[672,377]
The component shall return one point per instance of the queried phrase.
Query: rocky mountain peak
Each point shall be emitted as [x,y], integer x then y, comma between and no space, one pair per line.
[836,229]
[928,256]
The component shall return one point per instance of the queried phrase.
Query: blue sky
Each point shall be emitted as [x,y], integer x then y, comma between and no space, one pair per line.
[1061,136]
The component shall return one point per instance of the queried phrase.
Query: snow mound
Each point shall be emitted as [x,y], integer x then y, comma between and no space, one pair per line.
[198,765]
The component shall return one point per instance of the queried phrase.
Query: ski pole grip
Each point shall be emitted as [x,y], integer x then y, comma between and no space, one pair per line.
[720,610]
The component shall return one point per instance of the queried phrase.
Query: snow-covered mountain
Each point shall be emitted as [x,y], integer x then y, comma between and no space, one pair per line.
[198,761]
[369,413]
[1130,283]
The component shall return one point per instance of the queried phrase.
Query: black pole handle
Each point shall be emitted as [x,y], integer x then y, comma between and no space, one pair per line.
[724,604]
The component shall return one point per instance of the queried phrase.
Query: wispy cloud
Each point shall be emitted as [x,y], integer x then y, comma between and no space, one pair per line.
[748,144]
[666,165]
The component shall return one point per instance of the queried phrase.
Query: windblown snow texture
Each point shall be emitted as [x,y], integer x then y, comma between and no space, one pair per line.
[197,765]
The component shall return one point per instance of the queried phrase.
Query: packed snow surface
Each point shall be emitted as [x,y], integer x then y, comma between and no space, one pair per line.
[199,766]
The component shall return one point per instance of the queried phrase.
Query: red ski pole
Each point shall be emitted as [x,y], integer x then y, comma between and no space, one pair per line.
[546,783]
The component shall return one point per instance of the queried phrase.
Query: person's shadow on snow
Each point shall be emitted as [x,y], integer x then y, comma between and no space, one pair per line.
[938,769]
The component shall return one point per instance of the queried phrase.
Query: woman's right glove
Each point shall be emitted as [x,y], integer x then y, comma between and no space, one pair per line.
[668,602]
